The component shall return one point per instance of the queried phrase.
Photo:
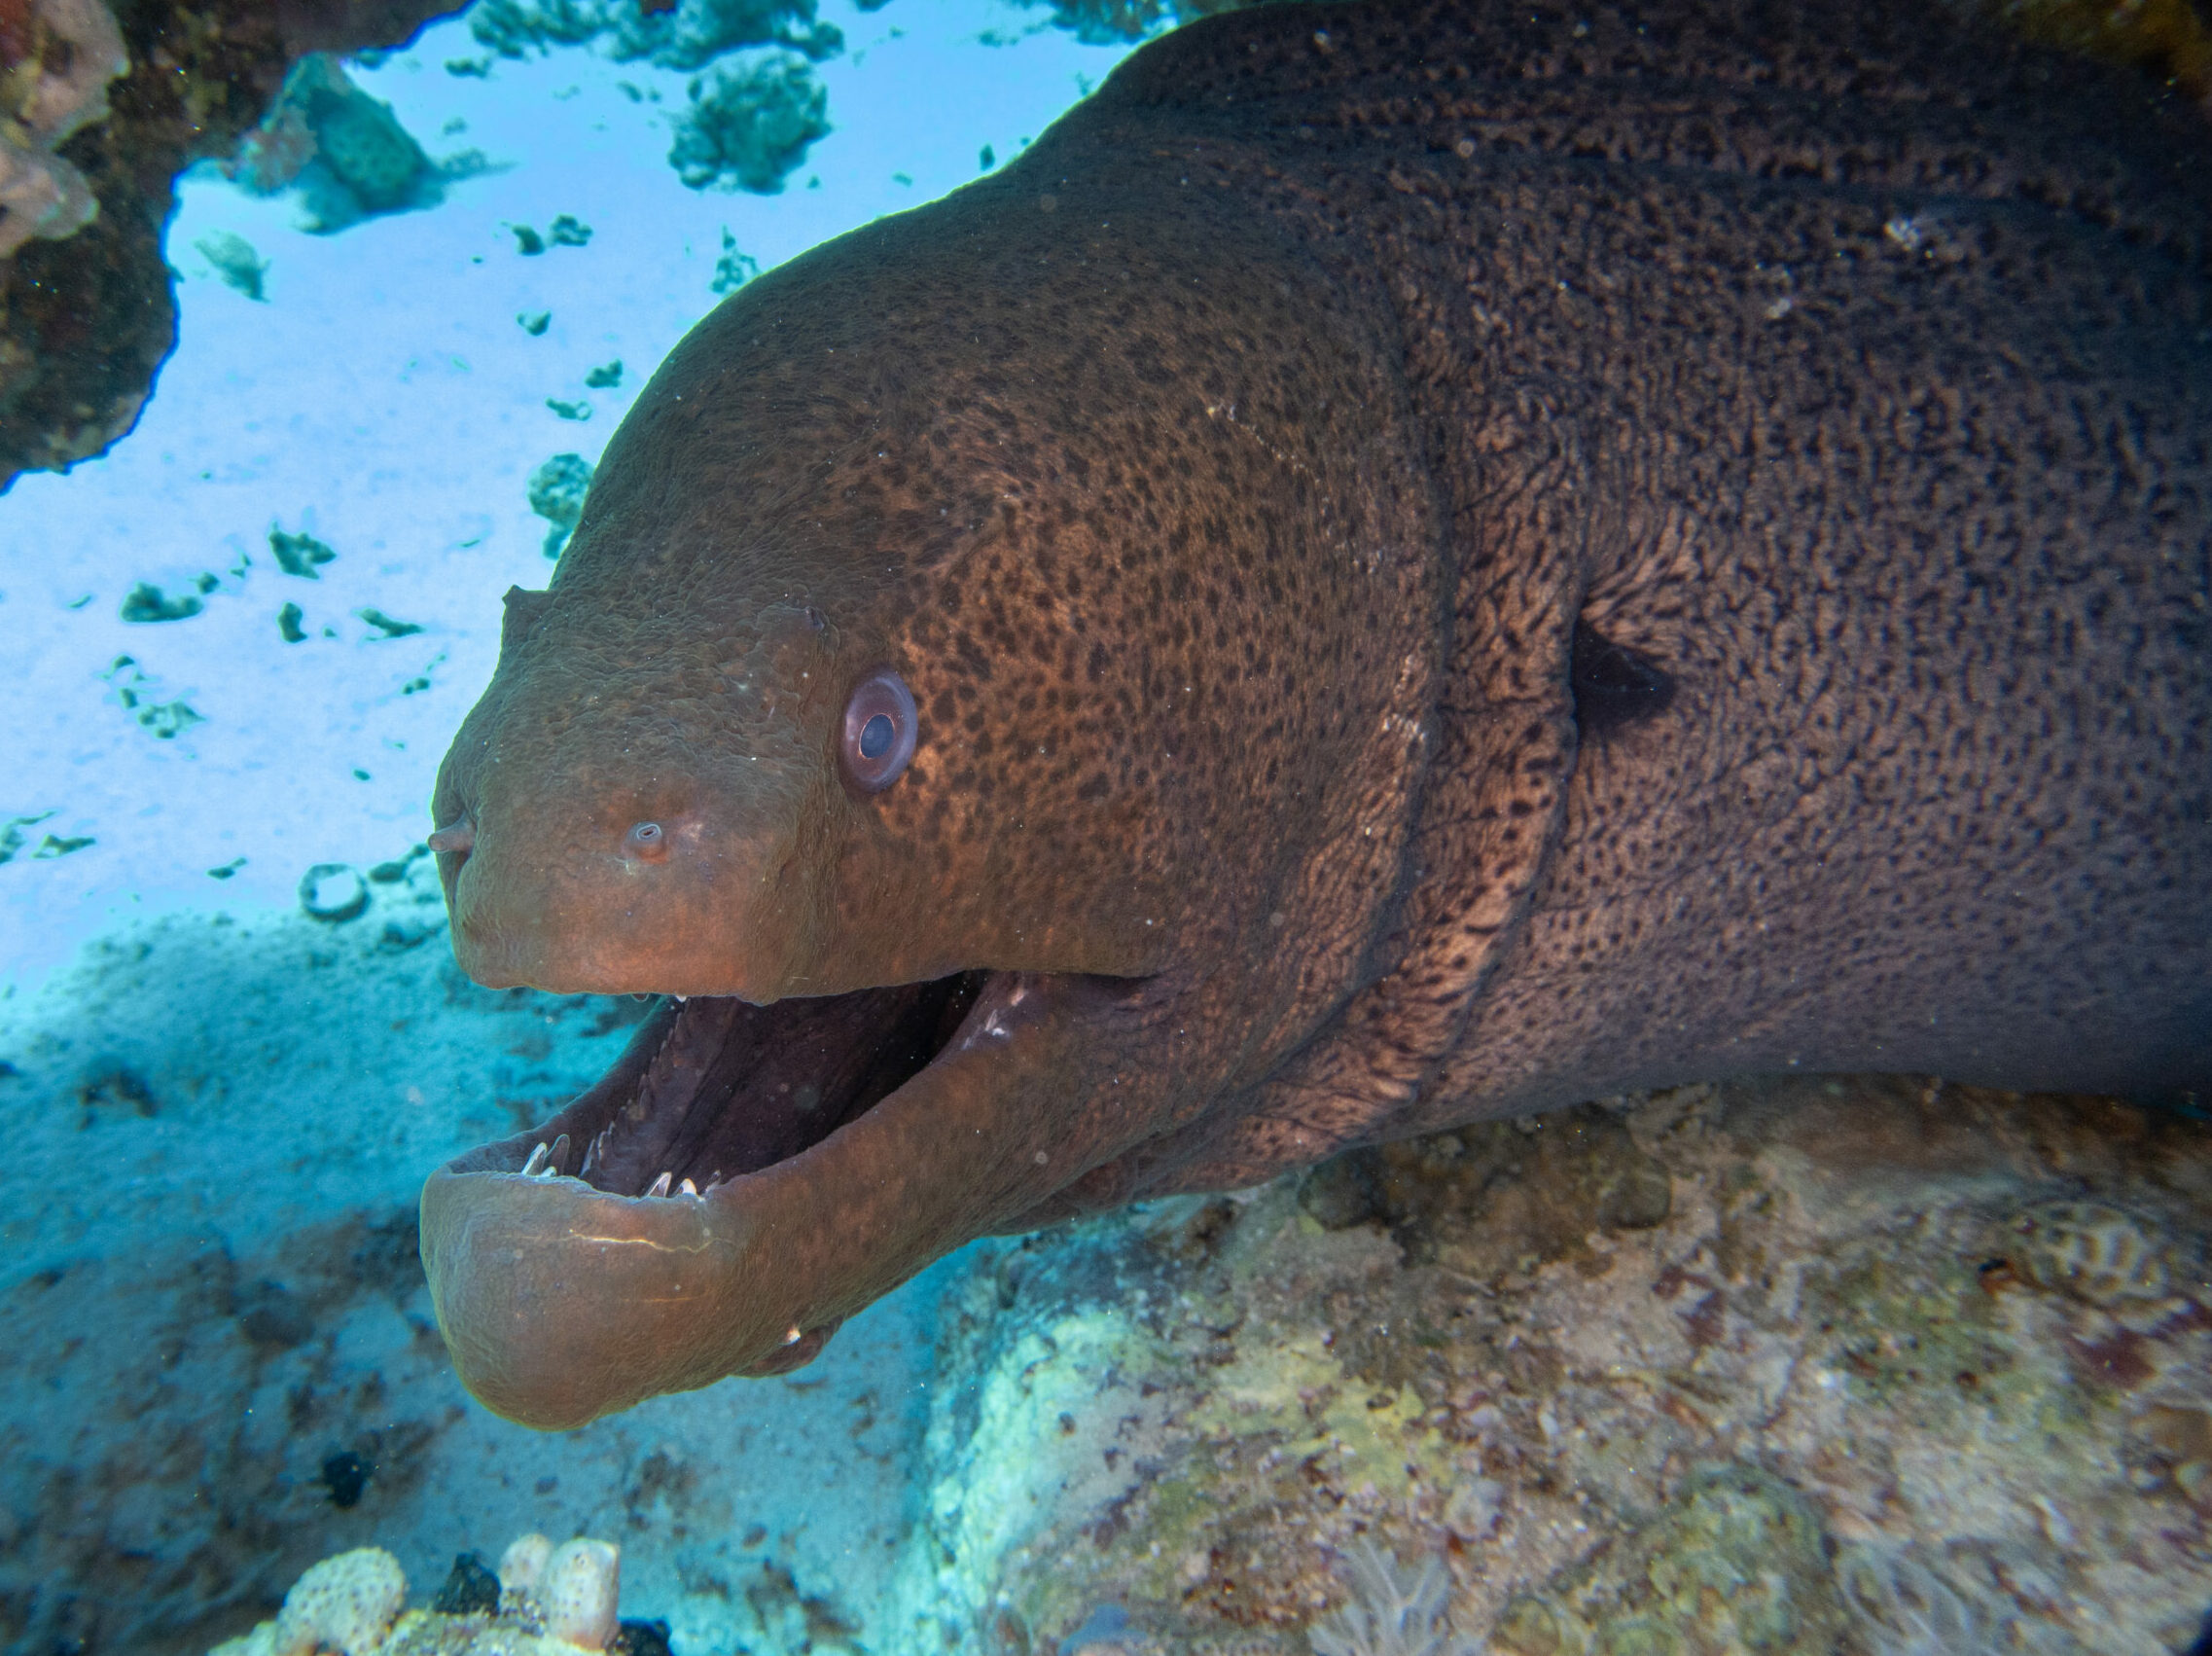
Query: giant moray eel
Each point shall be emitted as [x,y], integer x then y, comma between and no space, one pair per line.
[1404,563]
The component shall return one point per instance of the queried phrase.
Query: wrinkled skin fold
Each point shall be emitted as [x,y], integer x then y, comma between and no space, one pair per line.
[1444,561]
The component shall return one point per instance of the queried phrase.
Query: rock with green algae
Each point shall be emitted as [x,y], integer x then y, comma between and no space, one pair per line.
[344,151]
[1863,1367]
[749,127]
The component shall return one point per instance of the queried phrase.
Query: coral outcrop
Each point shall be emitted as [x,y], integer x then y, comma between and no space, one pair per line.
[60,54]
[749,127]
[1839,1368]
[87,319]
[345,150]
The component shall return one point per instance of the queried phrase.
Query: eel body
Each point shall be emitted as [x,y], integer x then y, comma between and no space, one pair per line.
[1405,564]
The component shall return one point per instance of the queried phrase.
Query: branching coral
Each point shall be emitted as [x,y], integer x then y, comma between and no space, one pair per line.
[1395,1611]
[59,55]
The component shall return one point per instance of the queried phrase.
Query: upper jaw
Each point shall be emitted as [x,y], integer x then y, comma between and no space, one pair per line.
[550,904]
[560,1302]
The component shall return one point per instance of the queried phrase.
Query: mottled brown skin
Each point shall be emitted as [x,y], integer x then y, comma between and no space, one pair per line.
[1449,563]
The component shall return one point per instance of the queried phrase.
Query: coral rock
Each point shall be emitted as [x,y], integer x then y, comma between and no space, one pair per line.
[85,320]
[345,1603]
[522,1565]
[577,1592]
[61,86]
[1802,1364]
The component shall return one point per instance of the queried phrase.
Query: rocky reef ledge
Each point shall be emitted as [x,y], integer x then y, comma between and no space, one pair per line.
[103,108]
[1855,1366]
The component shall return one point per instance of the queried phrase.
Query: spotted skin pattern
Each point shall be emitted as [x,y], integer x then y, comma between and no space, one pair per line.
[1266,487]
[1866,388]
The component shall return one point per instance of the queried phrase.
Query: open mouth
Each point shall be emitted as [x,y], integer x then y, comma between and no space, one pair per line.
[712,1088]
[748,1176]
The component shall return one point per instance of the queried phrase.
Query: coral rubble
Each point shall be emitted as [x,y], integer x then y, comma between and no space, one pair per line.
[688,35]
[556,494]
[236,262]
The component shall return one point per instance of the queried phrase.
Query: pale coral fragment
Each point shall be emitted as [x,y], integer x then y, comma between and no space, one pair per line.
[552,1601]
[578,1591]
[345,1604]
[522,1565]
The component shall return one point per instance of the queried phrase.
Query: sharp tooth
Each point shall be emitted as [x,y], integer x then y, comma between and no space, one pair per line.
[689,1188]
[660,1185]
[536,1163]
[559,1154]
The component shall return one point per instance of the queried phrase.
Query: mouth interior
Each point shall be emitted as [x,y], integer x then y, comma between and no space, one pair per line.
[714,1087]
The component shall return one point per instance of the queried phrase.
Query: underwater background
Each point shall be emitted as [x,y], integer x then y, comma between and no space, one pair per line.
[411,311]
[1864,1366]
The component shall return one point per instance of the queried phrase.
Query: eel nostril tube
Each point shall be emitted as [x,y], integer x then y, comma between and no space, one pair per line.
[457,839]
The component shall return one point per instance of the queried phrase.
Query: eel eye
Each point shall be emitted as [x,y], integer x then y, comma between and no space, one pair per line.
[647,840]
[880,730]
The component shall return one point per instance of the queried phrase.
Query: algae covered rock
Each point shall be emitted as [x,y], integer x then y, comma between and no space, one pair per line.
[345,150]
[556,493]
[748,128]
[1805,1366]
[1737,1562]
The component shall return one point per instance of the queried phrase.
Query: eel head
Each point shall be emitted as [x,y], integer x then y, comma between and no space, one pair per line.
[986,714]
